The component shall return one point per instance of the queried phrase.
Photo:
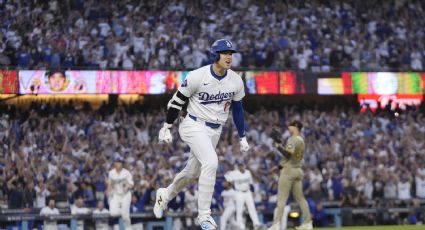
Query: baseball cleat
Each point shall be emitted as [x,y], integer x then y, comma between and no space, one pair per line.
[207,223]
[305,226]
[160,202]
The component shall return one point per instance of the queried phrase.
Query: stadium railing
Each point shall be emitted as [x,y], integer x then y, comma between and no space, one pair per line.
[22,218]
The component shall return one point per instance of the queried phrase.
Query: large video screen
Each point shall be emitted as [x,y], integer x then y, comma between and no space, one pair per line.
[99,82]
[256,82]
[373,83]
[261,82]
[131,82]
[270,82]
[57,82]
[386,83]
[290,84]
[8,82]
[330,86]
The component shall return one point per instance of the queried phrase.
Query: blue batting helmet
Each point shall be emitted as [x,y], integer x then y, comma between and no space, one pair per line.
[119,159]
[220,46]
[240,162]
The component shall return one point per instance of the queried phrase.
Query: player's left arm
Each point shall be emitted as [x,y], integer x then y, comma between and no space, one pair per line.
[251,179]
[251,182]
[130,182]
[238,116]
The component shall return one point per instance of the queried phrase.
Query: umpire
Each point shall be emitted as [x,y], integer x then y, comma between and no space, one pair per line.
[291,175]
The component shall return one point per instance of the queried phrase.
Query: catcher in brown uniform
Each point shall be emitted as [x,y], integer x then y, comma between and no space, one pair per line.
[291,175]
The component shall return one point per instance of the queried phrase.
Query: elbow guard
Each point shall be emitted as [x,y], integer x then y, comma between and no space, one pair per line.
[177,101]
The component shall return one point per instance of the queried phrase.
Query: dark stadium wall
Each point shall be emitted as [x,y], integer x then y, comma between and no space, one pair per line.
[252,103]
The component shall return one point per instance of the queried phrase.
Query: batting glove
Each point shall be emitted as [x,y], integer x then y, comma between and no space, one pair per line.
[165,134]
[244,145]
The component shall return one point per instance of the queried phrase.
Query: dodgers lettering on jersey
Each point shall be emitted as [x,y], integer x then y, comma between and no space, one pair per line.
[209,97]
[120,182]
[242,181]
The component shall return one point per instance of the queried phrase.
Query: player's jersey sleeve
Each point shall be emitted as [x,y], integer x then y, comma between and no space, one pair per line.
[251,181]
[189,85]
[240,93]
[229,176]
[290,145]
[109,179]
[130,179]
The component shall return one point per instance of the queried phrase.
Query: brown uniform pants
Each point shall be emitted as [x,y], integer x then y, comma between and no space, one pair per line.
[291,179]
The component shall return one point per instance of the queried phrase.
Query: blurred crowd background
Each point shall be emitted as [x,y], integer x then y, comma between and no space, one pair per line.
[64,151]
[319,35]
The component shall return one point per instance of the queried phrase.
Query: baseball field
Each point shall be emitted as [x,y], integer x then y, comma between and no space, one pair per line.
[399,227]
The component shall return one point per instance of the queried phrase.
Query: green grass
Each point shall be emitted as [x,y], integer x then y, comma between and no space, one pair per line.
[400,227]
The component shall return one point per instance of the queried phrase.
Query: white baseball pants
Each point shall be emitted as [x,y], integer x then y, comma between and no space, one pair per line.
[202,162]
[119,205]
[227,214]
[243,198]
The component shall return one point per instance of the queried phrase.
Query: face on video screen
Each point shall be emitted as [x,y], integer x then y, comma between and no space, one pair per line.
[57,81]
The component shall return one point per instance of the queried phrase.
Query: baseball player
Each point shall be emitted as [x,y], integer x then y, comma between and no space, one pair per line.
[229,196]
[101,224]
[120,182]
[79,209]
[209,92]
[49,210]
[291,177]
[242,180]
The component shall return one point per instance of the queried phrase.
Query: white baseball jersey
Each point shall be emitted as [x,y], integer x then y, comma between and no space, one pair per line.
[209,96]
[101,224]
[403,190]
[40,201]
[242,181]
[76,211]
[121,181]
[228,197]
[420,187]
[47,211]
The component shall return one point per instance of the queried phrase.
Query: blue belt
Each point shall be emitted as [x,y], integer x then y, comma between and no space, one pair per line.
[209,124]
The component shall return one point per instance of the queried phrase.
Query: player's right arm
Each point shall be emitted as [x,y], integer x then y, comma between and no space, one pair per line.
[176,104]
[108,185]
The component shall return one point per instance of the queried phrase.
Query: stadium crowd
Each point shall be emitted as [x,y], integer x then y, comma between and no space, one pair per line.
[169,34]
[65,151]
